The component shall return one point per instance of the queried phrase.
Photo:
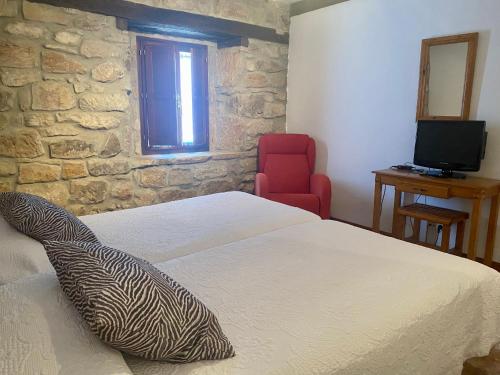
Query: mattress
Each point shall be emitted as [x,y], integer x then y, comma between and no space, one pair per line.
[165,231]
[328,298]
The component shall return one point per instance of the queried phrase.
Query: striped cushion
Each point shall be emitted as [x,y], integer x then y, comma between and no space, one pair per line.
[42,220]
[134,307]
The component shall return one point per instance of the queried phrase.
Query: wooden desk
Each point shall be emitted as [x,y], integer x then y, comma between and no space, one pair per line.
[476,189]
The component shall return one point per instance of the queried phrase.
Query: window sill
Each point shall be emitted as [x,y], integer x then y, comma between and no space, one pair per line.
[192,157]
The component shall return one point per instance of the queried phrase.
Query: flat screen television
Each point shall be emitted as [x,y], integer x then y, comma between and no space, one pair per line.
[450,146]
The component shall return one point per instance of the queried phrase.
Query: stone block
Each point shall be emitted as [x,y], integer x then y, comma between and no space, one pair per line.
[273,110]
[108,167]
[53,96]
[210,170]
[216,186]
[46,13]
[249,165]
[19,77]
[8,8]
[93,22]
[230,133]
[94,121]
[37,172]
[25,98]
[14,55]
[59,130]
[230,67]
[97,48]
[256,80]
[55,192]
[71,170]
[155,177]
[62,48]
[71,149]
[267,65]
[10,120]
[55,62]
[39,119]
[112,147]
[88,192]
[180,176]
[170,195]
[104,102]
[144,197]
[6,100]
[25,29]
[68,38]
[108,72]
[21,144]
[123,190]
[7,168]
[6,186]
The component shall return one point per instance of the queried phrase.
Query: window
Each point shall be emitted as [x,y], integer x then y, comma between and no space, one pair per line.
[173,83]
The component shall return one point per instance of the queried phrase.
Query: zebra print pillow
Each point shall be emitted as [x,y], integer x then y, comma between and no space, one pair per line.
[134,307]
[42,220]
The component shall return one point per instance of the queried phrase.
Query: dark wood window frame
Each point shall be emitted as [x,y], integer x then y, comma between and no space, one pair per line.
[159,86]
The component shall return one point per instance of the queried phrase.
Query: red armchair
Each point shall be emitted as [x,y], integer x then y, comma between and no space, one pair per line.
[286,173]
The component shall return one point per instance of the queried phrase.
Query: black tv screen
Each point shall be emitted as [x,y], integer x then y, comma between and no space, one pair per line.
[450,145]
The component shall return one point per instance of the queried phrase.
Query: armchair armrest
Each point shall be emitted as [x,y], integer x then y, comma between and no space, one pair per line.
[261,185]
[321,187]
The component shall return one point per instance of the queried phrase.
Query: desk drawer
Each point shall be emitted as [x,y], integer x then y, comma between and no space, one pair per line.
[425,189]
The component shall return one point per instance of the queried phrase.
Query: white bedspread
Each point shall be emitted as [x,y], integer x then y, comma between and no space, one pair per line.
[160,232]
[165,231]
[328,298]
[42,333]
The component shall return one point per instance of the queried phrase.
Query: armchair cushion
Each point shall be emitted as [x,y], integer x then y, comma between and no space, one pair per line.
[309,202]
[287,173]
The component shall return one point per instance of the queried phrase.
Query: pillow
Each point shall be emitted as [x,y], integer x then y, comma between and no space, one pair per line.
[134,307]
[20,256]
[42,220]
[42,333]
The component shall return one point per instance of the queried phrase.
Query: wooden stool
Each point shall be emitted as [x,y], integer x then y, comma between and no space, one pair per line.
[437,215]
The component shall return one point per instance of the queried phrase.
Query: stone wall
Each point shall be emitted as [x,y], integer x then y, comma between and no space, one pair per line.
[69,123]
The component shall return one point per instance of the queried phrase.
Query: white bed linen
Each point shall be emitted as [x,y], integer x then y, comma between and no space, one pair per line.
[328,298]
[20,255]
[165,231]
[42,333]
[159,232]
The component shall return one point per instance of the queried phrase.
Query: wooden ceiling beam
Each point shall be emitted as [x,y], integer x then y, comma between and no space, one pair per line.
[144,18]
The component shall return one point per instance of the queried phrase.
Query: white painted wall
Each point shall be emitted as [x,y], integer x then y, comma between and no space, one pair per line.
[352,85]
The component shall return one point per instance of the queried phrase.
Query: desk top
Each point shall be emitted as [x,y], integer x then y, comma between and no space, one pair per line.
[471,182]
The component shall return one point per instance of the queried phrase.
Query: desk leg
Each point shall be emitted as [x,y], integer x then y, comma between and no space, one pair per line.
[377,205]
[396,220]
[492,230]
[474,228]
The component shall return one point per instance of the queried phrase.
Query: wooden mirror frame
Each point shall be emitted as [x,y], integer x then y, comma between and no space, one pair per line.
[472,41]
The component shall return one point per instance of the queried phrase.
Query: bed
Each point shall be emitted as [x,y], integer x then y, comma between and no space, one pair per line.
[160,232]
[307,297]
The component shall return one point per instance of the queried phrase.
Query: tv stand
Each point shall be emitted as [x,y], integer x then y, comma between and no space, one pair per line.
[444,173]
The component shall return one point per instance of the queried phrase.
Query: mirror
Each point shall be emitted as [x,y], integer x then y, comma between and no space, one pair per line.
[446,76]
